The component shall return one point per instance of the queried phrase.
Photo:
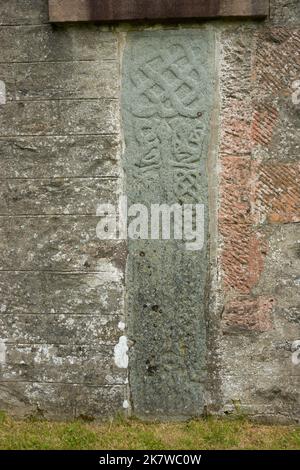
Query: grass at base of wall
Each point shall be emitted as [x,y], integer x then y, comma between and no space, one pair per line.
[210,433]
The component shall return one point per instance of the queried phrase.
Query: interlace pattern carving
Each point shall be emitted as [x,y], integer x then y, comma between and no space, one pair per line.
[169,116]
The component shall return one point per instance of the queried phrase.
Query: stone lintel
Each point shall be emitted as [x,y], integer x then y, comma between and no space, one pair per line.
[139,10]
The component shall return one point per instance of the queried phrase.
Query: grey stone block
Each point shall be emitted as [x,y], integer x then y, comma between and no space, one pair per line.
[7,76]
[282,265]
[59,117]
[36,292]
[79,364]
[284,12]
[56,244]
[65,156]
[48,43]
[167,105]
[59,329]
[61,401]
[67,80]
[56,196]
[16,12]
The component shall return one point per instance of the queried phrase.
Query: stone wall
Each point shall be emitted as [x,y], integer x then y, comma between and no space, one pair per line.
[259,215]
[62,290]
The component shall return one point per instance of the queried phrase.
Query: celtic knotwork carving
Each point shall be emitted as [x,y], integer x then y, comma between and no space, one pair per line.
[150,147]
[187,146]
[186,186]
[167,103]
[167,84]
[167,97]
[152,137]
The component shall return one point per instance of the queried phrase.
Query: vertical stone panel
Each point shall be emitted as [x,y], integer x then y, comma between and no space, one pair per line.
[167,104]
[61,288]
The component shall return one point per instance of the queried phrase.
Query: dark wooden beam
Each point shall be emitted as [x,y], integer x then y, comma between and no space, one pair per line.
[150,10]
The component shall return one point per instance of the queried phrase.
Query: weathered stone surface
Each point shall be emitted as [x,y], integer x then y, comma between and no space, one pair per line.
[167,112]
[285,12]
[65,156]
[259,294]
[276,197]
[59,117]
[80,364]
[242,257]
[16,12]
[277,63]
[259,335]
[258,375]
[81,79]
[61,401]
[236,92]
[52,77]
[35,292]
[131,10]
[264,124]
[276,119]
[247,315]
[263,353]
[281,275]
[61,297]
[56,244]
[45,43]
[56,196]
[59,329]
[270,398]
[235,191]
[266,192]
[7,76]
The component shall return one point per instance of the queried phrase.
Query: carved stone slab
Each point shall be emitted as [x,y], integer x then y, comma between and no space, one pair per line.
[126,10]
[168,85]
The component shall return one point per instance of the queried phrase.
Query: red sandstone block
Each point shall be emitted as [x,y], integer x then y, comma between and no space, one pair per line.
[273,189]
[276,193]
[236,135]
[254,73]
[264,121]
[235,190]
[248,314]
[242,257]
[277,61]
[235,90]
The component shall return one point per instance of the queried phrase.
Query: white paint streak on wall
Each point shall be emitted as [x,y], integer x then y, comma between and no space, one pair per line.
[2,92]
[121,357]
[2,352]
[296,352]
[125,404]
